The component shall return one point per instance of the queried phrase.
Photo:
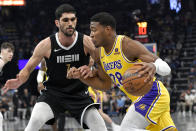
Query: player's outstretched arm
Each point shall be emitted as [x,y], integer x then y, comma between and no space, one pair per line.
[38,54]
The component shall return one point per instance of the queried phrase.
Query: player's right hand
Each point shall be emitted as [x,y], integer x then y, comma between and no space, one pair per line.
[73,73]
[11,84]
[148,68]
[85,71]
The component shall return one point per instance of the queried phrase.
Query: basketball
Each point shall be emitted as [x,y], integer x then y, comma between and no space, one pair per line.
[133,84]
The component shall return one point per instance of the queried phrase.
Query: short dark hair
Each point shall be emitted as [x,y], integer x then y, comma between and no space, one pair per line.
[6,45]
[105,19]
[64,8]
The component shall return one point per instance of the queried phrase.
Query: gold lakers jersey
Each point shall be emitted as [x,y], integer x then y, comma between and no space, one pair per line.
[115,64]
[154,105]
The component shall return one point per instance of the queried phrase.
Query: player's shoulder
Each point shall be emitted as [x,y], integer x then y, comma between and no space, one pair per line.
[45,42]
[128,40]
[130,44]
[131,48]
[43,47]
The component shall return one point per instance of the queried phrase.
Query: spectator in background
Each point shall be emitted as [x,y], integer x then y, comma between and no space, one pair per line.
[26,98]
[194,99]
[106,103]
[113,105]
[191,77]
[189,100]
[181,103]
[120,104]
[126,105]
[174,100]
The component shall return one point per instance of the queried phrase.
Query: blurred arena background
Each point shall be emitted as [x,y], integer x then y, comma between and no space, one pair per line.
[165,27]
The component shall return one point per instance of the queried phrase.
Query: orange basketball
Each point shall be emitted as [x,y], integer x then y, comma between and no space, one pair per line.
[133,84]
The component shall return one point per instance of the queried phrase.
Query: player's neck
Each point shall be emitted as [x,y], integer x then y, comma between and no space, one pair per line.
[109,43]
[66,40]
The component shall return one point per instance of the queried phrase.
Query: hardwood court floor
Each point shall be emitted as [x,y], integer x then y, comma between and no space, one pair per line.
[185,122]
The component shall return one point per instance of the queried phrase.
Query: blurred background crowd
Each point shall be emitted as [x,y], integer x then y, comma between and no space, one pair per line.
[173,31]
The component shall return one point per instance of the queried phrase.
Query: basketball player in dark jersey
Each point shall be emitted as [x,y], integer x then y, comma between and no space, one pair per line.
[6,55]
[65,49]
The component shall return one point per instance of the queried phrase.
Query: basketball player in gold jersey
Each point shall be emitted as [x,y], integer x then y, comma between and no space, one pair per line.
[115,55]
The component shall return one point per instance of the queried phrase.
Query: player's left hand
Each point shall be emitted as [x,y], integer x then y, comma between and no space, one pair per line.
[148,68]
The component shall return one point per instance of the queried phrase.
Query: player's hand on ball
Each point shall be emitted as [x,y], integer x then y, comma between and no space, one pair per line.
[134,84]
[147,68]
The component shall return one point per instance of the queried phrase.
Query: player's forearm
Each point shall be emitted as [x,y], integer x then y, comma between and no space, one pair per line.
[97,83]
[26,71]
[24,75]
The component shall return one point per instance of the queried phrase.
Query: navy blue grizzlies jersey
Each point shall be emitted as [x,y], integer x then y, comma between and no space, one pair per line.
[60,61]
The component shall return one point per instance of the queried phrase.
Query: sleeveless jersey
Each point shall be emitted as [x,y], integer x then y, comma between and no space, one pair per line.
[60,61]
[155,105]
[115,64]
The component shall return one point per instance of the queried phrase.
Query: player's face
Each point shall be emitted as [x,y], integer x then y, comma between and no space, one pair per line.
[7,54]
[67,23]
[97,33]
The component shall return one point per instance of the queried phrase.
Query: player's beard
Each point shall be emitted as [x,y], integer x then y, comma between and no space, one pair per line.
[66,32]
